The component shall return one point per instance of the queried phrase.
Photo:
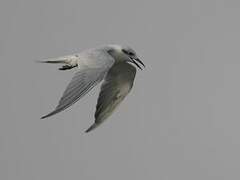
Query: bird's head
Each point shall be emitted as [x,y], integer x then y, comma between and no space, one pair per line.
[124,53]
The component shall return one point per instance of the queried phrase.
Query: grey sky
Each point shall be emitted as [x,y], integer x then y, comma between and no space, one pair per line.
[181,120]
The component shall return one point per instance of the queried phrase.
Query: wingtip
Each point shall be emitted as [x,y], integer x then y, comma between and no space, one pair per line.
[50,114]
[91,128]
[43,117]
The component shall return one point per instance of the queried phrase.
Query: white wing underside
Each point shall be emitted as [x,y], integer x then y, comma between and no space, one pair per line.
[92,69]
[117,84]
[82,82]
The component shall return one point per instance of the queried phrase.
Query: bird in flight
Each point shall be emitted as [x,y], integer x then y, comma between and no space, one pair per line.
[112,64]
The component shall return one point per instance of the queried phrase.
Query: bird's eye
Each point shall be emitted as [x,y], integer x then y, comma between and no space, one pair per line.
[131,53]
[128,52]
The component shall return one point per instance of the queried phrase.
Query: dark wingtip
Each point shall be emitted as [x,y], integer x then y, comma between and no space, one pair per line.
[50,114]
[91,128]
[43,117]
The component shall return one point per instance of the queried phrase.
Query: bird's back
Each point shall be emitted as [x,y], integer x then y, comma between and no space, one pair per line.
[95,58]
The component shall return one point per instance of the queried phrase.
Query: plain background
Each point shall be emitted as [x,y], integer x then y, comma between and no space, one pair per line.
[181,120]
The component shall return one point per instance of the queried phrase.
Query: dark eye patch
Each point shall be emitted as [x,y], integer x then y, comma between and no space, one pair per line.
[123,50]
[128,52]
[131,53]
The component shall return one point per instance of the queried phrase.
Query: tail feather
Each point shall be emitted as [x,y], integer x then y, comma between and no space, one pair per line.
[68,61]
[52,61]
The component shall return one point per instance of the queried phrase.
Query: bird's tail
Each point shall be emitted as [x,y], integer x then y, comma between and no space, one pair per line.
[68,61]
[54,61]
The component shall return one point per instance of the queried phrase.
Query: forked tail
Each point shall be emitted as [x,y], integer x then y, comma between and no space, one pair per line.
[69,62]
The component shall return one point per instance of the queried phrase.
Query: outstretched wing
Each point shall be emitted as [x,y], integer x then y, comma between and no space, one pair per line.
[93,68]
[82,82]
[117,84]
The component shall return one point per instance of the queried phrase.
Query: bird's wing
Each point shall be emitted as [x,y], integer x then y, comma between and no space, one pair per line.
[117,84]
[83,81]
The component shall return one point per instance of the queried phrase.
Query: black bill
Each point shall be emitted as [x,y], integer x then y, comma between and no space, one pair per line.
[139,61]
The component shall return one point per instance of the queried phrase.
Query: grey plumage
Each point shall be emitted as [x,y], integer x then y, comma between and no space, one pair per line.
[116,86]
[108,63]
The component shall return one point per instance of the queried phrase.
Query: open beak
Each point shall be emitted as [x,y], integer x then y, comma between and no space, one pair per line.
[135,60]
